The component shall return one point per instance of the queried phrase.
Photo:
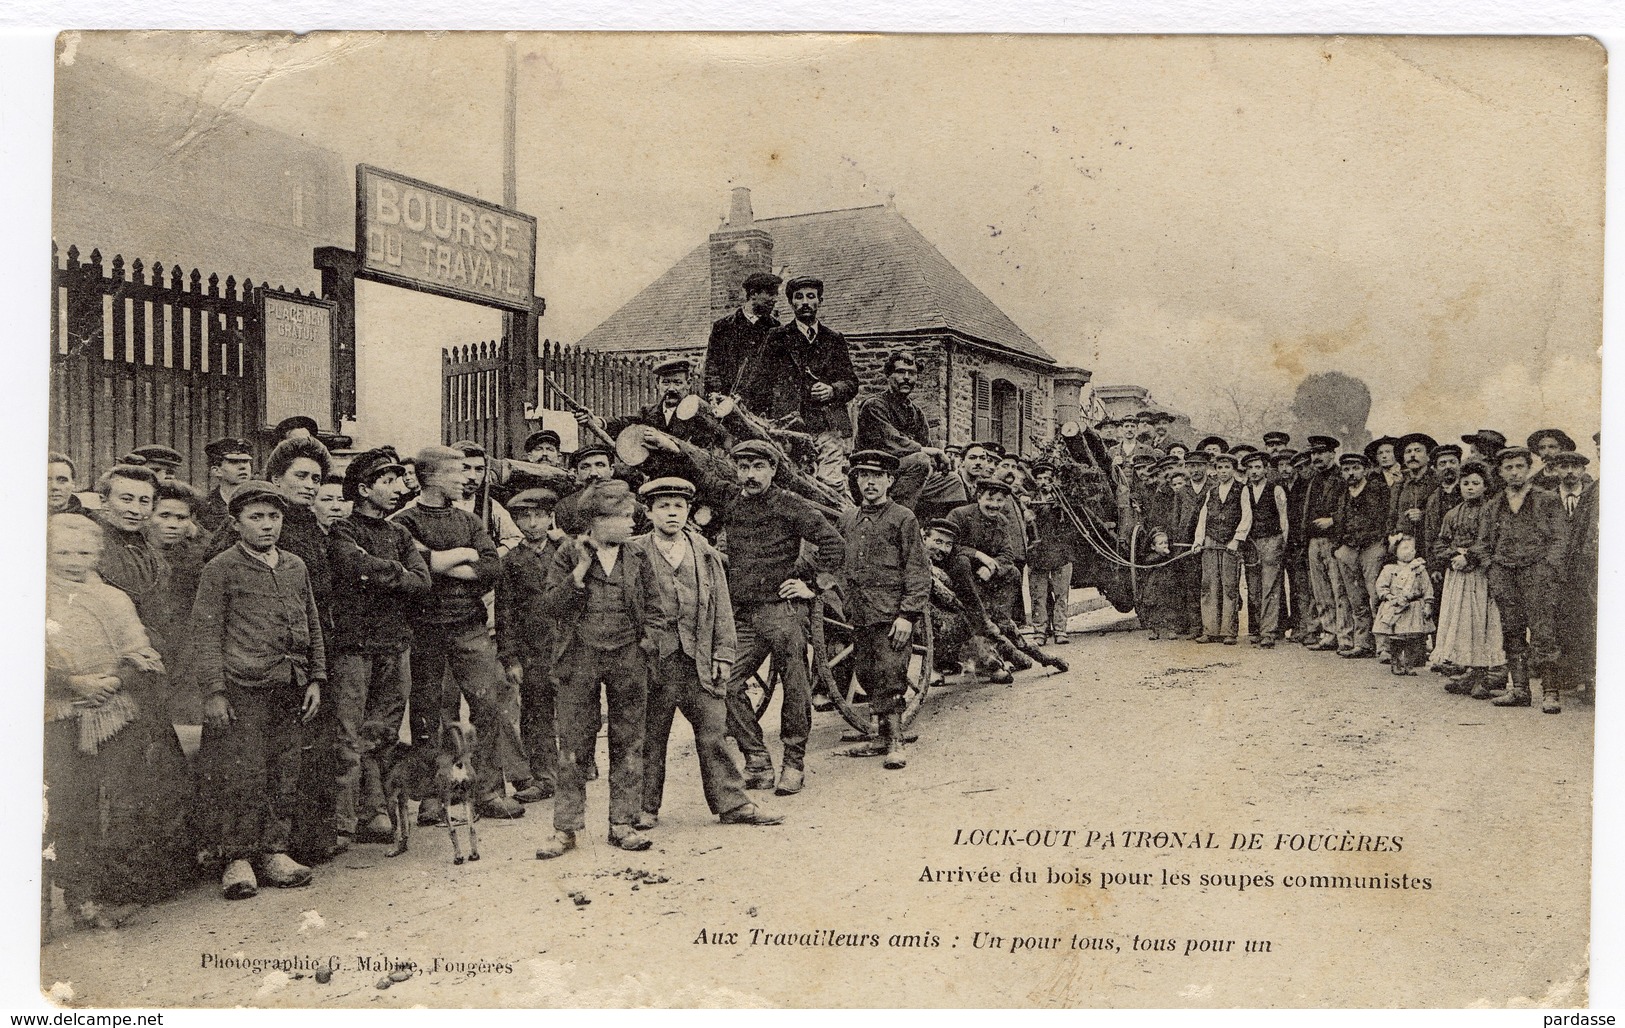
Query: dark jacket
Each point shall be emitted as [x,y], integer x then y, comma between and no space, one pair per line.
[524,631]
[712,633]
[566,604]
[1321,497]
[1440,502]
[779,379]
[254,625]
[1405,496]
[1362,520]
[452,602]
[891,423]
[1462,531]
[734,340]
[378,577]
[1536,533]
[887,572]
[1057,538]
[987,536]
[764,537]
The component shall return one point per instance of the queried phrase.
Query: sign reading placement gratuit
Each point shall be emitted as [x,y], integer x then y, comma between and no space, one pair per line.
[423,237]
[298,356]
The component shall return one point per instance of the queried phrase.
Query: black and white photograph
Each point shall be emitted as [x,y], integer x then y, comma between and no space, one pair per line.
[804,520]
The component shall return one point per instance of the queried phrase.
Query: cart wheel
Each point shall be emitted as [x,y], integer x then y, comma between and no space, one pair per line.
[832,660]
[761,686]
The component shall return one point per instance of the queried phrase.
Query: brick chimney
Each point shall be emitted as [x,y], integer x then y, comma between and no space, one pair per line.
[738,249]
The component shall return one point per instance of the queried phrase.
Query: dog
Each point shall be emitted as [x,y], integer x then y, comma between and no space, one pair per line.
[454,784]
[395,763]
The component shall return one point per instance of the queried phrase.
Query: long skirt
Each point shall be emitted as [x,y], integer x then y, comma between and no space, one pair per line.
[1469,632]
[118,821]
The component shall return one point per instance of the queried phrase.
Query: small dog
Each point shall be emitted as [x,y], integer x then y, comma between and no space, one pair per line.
[395,774]
[454,783]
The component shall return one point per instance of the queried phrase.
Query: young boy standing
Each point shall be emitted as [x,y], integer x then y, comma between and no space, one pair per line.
[693,666]
[609,613]
[886,582]
[525,638]
[260,666]
[377,575]
[450,635]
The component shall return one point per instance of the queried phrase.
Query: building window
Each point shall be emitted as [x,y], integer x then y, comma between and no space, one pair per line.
[981,406]
[1006,415]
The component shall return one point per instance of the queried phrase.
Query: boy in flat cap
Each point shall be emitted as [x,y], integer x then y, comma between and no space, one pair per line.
[1528,531]
[886,583]
[1049,560]
[610,617]
[525,638]
[739,336]
[231,463]
[260,664]
[378,575]
[805,368]
[695,659]
[767,527]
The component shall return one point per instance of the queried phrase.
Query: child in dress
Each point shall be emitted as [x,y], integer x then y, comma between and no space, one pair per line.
[1405,606]
[1469,632]
[1158,599]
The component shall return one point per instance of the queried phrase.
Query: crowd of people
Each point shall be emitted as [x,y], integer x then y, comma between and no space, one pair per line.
[328,621]
[1476,560]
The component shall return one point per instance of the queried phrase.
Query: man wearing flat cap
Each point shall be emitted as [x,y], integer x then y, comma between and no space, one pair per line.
[1445,497]
[299,426]
[886,584]
[804,368]
[542,447]
[231,463]
[165,462]
[1275,442]
[1321,629]
[1545,444]
[1361,532]
[767,528]
[1222,525]
[525,639]
[739,336]
[1576,581]
[893,422]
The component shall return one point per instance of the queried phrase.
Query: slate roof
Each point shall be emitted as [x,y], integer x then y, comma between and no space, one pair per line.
[880,275]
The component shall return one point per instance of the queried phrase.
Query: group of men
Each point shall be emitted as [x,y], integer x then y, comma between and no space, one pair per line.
[1310,531]
[320,623]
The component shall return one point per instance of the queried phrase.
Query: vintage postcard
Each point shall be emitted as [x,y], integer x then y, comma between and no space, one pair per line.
[1117,517]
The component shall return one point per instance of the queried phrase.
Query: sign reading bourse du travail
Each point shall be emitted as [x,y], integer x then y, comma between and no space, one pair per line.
[298,356]
[409,233]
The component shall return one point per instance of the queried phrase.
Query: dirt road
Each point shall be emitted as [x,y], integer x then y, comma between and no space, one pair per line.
[1326,773]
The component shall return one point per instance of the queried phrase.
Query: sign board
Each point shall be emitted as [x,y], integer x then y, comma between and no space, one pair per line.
[298,356]
[409,233]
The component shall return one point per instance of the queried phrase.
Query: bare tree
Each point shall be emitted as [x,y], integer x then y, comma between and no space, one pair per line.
[1241,411]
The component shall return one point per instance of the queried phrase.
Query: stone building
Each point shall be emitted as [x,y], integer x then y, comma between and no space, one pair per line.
[886,287]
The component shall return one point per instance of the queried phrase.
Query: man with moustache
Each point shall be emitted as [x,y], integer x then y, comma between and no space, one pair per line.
[1188,501]
[1576,580]
[1444,498]
[1407,500]
[1547,443]
[737,337]
[893,423]
[1316,518]
[804,368]
[1359,529]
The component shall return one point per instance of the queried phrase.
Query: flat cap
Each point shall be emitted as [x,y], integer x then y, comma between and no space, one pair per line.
[804,282]
[541,498]
[993,483]
[1483,436]
[1224,458]
[1323,444]
[756,449]
[997,449]
[229,448]
[606,500]
[152,453]
[1355,457]
[256,492]
[1563,457]
[1198,457]
[365,468]
[590,449]
[944,526]
[675,366]
[1255,457]
[874,460]
[669,486]
[1446,450]
[540,436]
[1276,437]
[1511,452]
[303,421]
[1287,455]
[762,282]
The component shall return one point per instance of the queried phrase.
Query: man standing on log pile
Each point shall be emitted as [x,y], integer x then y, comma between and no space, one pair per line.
[738,337]
[804,368]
